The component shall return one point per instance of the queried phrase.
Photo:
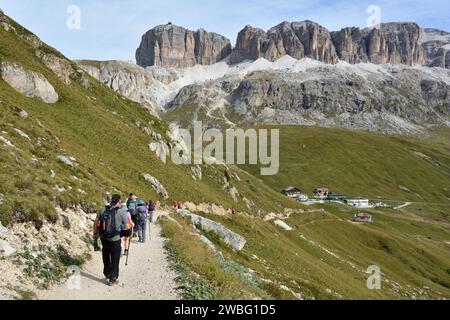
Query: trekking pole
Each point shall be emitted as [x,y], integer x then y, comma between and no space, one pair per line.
[128,251]
[150,229]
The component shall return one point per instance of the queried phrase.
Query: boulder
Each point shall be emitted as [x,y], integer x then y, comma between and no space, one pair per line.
[234,193]
[3,230]
[283,225]
[23,114]
[22,134]
[5,249]
[69,161]
[161,150]
[28,83]
[176,47]
[156,185]
[234,240]
[6,142]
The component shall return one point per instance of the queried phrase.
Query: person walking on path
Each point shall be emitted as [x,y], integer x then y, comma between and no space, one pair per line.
[110,221]
[132,206]
[151,210]
[142,212]
[126,234]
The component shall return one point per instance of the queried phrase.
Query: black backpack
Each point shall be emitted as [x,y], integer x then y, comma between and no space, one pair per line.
[107,223]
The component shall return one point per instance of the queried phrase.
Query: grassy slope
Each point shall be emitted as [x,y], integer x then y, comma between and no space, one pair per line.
[326,256]
[362,164]
[97,127]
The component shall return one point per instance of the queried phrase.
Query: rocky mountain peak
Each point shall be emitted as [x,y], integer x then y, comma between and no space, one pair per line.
[177,47]
[396,43]
[436,45]
[297,39]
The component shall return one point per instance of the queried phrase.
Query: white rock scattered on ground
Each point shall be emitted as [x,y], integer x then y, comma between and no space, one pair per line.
[161,149]
[197,171]
[29,83]
[23,114]
[59,189]
[156,185]
[5,249]
[6,142]
[234,194]
[283,225]
[207,208]
[3,230]
[70,161]
[234,240]
[22,134]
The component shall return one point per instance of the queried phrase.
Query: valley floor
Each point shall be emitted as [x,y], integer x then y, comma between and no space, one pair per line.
[147,277]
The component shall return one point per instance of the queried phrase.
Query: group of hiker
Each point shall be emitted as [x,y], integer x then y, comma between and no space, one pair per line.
[117,221]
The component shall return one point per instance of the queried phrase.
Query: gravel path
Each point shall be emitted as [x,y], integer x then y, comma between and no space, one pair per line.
[147,276]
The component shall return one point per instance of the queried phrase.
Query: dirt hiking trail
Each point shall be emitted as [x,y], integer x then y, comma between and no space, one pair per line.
[147,277]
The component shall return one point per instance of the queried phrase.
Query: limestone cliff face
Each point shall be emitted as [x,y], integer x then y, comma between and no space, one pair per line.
[436,45]
[389,99]
[350,45]
[176,47]
[396,43]
[297,39]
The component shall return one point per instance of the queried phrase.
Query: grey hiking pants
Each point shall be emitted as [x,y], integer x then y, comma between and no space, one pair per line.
[152,216]
[142,229]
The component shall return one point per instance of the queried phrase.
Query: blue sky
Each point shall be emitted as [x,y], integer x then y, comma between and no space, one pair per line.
[112,29]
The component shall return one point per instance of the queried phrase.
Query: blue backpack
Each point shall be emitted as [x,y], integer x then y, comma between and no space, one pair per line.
[132,207]
[142,213]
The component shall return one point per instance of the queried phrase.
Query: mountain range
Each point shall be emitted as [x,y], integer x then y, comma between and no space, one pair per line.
[394,43]
[393,79]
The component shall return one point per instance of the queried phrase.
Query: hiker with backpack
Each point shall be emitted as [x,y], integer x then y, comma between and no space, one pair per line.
[132,206]
[110,222]
[151,210]
[127,234]
[142,212]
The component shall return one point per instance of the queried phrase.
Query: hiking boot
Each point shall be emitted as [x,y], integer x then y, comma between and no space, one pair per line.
[112,282]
